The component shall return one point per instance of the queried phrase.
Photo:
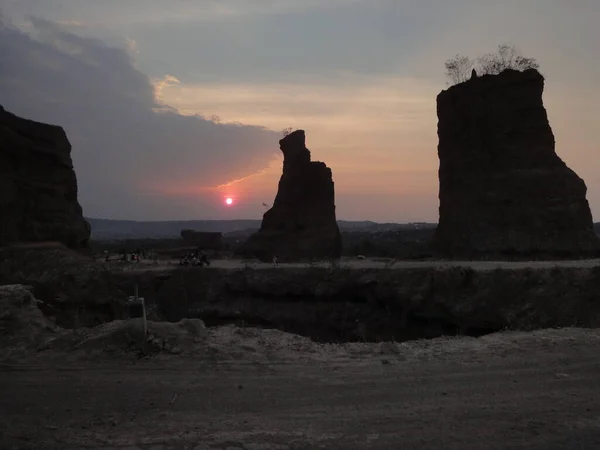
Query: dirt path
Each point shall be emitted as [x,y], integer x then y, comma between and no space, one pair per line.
[381,263]
[504,391]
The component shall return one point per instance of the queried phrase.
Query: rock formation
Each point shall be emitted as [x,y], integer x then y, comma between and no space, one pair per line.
[38,187]
[503,189]
[301,225]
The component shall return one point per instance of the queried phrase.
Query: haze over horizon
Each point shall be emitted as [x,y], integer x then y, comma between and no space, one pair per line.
[137,85]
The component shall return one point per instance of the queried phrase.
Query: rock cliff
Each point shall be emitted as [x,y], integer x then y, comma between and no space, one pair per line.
[38,186]
[503,188]
[301,225]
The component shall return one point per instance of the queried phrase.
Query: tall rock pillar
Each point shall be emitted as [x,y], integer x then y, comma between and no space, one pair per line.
[503,188]
[301,224]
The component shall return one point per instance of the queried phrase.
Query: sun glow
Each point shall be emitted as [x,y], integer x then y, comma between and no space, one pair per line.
[229,201]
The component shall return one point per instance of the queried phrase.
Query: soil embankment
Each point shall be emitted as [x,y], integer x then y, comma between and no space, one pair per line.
[364,300]
[346,304]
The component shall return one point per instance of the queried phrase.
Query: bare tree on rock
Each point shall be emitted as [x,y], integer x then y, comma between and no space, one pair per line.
[506,57]
[458,68]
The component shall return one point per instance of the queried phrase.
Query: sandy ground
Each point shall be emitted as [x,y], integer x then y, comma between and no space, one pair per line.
[376,263]
[264,389]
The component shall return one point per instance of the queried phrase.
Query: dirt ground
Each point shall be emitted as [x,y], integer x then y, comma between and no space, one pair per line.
[371,263]
[264,389]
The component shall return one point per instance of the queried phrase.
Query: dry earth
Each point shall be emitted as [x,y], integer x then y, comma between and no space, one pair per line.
[244,388]
[378,263]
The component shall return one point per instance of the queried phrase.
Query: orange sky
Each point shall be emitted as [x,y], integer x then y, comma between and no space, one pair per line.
[378,136]
[357,135]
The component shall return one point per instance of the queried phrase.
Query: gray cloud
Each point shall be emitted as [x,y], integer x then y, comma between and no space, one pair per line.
[126,153]
[262,40]
[368,37]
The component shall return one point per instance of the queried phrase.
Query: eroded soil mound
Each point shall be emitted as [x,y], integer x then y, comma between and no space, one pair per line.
[25,329]
[124,336]
[255,344]
[28,335]
[75,289]
[23,326]
[22,323]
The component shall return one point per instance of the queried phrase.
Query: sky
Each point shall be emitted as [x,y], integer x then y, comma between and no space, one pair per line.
[173,105]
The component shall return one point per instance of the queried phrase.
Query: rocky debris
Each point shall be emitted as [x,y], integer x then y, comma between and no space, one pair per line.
[206,240]
[128,335]
[24,328]
[76,290]
[301,224]
[503,188]
[22,323]
[38,186]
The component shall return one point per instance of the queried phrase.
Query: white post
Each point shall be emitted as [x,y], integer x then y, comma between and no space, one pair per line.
[137,299]
[145,321]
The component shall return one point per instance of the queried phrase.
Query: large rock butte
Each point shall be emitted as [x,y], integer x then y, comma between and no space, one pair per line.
[301,225]
[38,187]
[503,188]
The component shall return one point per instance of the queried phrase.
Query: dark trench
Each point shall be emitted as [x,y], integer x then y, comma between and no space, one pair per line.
[416,328]
[333,325]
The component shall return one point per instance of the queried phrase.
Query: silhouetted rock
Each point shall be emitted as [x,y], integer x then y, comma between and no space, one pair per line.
[38,187]
[301,225]
[503,189]
[206,240]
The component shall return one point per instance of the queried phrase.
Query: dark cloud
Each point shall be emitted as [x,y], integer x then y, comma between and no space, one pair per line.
[127,148]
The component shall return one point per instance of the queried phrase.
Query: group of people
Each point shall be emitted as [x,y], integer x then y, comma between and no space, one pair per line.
[133,257]
[195,258]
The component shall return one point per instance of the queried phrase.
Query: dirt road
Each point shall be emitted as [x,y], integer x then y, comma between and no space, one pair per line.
[379,263]
[504,391]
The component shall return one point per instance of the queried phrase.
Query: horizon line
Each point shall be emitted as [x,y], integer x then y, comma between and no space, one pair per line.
[243,220]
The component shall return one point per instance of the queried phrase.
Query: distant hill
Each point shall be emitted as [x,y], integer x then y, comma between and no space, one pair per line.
[107,229]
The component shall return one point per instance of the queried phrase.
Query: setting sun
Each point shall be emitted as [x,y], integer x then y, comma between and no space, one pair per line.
[229,201]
